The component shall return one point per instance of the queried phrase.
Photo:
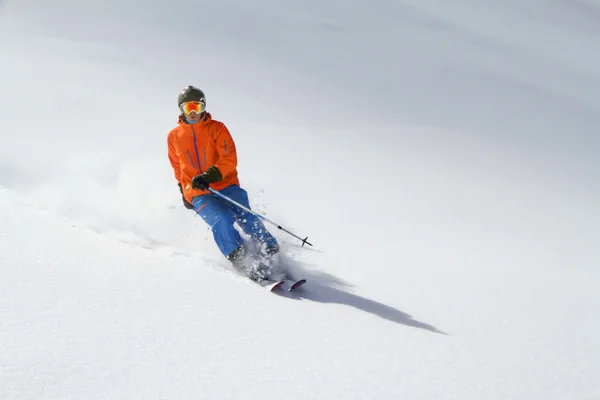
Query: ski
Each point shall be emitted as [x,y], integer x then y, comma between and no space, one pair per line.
[273,286]
[295,285]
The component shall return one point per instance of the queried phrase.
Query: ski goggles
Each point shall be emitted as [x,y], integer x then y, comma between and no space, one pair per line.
[192,106]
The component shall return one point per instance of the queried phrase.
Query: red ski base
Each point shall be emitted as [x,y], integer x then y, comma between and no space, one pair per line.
[273,286]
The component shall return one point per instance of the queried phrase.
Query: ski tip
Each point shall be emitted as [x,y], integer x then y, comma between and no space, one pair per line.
[274,286]
[297,284]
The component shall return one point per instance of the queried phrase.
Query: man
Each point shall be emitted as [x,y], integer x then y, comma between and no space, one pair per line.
[203,154]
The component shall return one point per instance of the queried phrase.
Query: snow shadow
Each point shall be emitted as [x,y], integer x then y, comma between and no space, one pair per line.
[325,288]
[327,294]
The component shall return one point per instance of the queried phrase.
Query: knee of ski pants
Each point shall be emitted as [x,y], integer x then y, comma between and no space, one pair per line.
[249,222]
[237,193]
[220,219]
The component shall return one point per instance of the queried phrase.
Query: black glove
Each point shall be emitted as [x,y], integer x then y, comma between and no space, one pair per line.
[186,203]
[199,182]
[203,180]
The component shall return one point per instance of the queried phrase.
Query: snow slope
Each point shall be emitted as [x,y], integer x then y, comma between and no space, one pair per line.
[441,156]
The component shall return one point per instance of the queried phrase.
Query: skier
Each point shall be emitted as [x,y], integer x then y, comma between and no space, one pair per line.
[203,154]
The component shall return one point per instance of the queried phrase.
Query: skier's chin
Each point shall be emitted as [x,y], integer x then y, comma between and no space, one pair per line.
[192,120]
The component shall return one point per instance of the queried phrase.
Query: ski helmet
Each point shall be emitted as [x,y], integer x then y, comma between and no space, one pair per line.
[190,93]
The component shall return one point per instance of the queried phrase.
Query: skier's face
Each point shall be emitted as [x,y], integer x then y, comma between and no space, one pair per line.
[193,110]
[192,117]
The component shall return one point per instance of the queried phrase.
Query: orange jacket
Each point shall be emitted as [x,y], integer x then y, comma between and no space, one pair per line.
[195,148]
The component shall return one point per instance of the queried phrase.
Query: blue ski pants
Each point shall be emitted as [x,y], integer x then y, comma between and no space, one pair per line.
[221,214]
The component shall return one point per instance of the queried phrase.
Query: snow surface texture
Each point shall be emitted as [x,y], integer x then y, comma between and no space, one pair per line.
[442,156]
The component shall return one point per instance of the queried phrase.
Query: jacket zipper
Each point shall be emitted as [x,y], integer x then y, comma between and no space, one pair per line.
[196,148]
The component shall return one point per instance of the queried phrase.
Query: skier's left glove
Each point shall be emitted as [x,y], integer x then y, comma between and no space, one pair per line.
[202,181]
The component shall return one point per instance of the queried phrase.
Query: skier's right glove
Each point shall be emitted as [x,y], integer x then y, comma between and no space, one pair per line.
[201,182]
[186,203]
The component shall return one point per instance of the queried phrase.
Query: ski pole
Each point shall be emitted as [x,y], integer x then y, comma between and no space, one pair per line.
[304,241]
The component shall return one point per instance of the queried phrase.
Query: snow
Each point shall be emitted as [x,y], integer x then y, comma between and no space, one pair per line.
[442,157]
